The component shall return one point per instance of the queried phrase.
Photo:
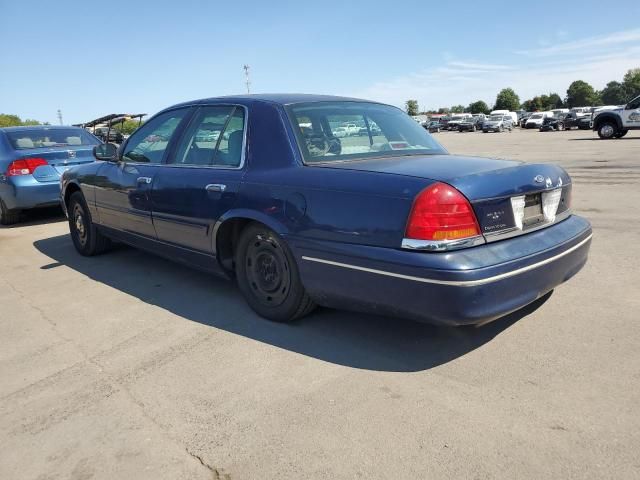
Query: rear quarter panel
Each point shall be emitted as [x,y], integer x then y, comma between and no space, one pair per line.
[336,205]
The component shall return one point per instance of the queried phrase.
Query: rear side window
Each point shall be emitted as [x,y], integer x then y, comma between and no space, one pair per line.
[50,137]
[149,142]
[214,138]
[344,131]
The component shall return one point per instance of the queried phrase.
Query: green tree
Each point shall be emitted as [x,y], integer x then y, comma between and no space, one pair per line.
[581,94]
[128,126]
[507,100]
[478,107]
[30,121]
[443,110]
[614,94]
[631,83]
[554,101]
[412,107]
[457,109]
[8,120]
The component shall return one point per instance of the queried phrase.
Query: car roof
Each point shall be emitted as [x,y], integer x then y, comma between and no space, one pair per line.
[27,128]
[276,98]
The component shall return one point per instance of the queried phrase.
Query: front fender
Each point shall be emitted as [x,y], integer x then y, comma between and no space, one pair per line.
[604,117]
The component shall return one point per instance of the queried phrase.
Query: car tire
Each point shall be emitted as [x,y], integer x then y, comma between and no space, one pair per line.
[607,130]
[268,276]
[8,217]
[621,134]
[560,126]
[86,237]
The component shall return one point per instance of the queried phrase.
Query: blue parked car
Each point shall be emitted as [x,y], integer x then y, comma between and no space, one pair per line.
[31,161]
[258,188]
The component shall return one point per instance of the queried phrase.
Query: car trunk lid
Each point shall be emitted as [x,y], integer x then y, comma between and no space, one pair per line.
[494,187]
[59,159]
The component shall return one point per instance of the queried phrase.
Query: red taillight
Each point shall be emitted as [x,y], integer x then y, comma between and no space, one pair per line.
[25,166]
[440,212]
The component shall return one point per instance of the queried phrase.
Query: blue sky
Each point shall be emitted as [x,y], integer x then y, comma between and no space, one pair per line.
[94,58]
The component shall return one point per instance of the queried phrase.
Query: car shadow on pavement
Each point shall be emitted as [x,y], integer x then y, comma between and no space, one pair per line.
[343,338]
[599,139]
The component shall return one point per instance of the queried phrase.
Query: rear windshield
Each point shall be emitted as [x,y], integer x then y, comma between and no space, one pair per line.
[385,132]
[50,137]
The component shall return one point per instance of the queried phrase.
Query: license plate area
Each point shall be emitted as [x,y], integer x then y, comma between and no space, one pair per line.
[533,214]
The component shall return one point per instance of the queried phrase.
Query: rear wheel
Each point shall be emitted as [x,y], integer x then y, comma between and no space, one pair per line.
[607,130]
[268,276]
[86,237]
[8,217]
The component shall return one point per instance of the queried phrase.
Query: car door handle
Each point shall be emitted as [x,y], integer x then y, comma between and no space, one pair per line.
[215,187]
[146,180]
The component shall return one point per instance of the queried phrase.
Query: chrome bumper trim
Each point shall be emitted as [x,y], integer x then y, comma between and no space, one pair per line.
[442,245]
[453,283]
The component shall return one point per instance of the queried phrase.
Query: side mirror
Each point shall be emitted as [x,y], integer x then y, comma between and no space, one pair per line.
[106,151]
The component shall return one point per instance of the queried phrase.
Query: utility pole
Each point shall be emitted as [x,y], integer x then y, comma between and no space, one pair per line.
[60,116]
[246,75]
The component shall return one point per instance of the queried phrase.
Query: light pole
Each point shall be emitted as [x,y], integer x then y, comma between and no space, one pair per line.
[246,75]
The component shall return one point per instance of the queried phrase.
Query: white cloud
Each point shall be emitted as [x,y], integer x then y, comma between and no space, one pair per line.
[462,82]
[599,42]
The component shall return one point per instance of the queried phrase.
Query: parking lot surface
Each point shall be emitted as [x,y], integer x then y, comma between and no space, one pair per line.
[130,366]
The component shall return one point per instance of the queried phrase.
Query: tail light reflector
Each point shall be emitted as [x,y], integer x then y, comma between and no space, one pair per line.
[440,213]
[25,166]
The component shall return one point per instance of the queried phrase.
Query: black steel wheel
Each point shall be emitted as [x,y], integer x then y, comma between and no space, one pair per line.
[268,276]
[84,234]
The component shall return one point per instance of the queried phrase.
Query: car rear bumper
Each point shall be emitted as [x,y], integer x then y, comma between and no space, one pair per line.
[20,193]
[471,286]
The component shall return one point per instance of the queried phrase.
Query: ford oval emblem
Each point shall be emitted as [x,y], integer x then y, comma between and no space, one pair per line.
[538,179]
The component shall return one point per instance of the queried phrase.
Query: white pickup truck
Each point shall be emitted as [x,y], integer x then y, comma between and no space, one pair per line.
[617,121]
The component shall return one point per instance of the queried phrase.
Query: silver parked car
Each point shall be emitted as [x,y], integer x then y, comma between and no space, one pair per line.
[497,123]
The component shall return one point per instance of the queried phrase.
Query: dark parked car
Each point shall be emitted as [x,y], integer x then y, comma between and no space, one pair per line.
[551,124]
[31,161]
[523,120]
[395,226]
[471,124]
[454,121]
[433,126]
[569,120]
[584,123]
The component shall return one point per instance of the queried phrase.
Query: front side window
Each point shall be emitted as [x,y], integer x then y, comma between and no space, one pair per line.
[148,144]
[214,138]
[633,104]
[50,137]
[342,131]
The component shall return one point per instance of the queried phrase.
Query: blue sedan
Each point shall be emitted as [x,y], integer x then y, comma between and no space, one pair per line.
[31,161]
[259,189]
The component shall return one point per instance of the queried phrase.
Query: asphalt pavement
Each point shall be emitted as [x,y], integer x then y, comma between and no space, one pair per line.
[128,366]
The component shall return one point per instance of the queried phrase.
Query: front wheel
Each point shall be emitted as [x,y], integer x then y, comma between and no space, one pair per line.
[607,130]
[268,276]
[622,133]
[84,234]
